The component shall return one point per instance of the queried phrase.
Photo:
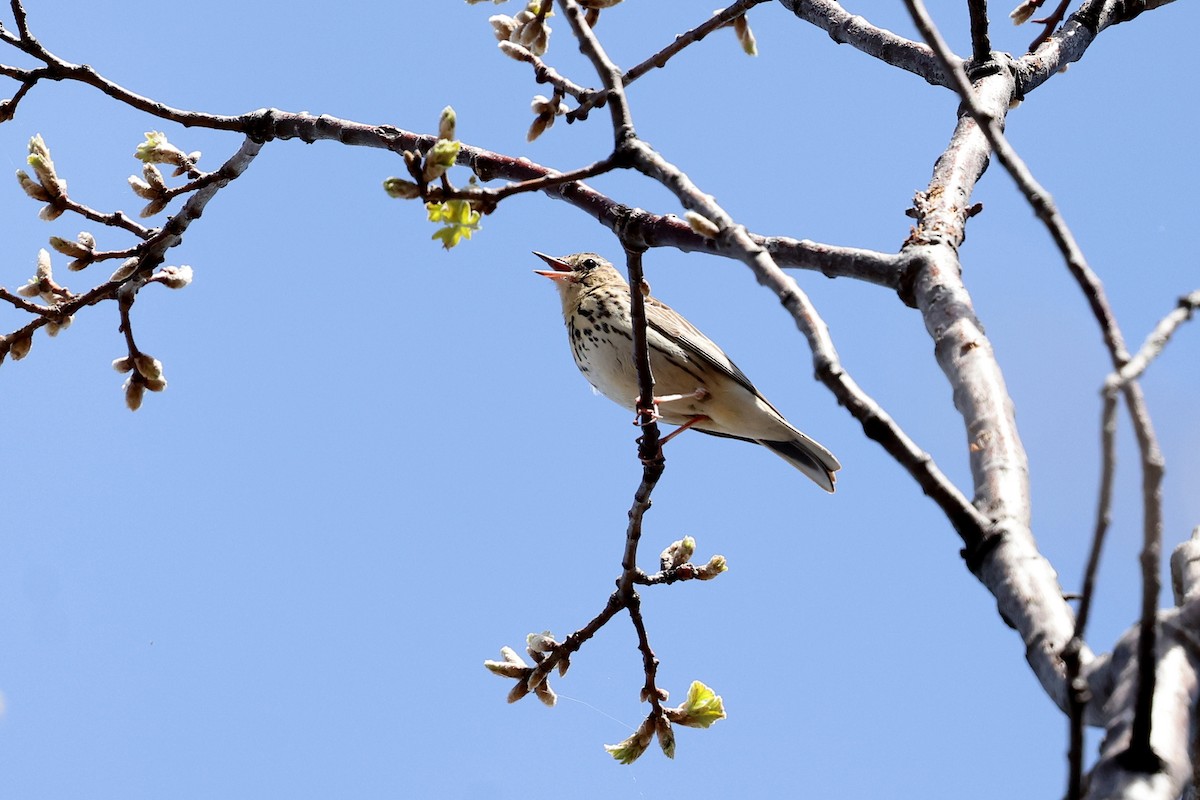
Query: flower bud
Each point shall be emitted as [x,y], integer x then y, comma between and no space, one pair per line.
[148,366]
[69,248]
[541,642]
[19,347]
[153,208]
[677,553]
[515,51]
[745,36]
[125,270]
[174,277]
[518,691]
[53,326]
[141,188]
[134,392]
[666,736]
[546,694]
[507,670]
[702,225]
[439,159]
[1023,12]
[503,26]
[715,566]
[32,187]
[402,189]
[447,123]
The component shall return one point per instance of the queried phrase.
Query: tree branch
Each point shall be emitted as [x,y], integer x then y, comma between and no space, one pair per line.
[1140,756]
[846,28]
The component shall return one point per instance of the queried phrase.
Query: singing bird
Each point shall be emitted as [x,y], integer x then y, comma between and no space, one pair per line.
[696,384]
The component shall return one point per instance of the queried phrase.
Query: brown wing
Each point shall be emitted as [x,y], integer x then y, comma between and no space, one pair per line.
[669,323]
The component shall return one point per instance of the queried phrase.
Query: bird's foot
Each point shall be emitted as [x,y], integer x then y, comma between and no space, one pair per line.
[700,393]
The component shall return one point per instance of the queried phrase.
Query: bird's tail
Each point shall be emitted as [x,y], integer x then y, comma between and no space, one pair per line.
[809,457]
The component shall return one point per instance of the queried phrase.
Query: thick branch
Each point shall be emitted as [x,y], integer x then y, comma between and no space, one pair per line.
[1140,757]
[846,28]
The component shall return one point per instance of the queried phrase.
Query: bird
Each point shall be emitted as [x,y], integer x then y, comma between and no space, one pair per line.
[696,384]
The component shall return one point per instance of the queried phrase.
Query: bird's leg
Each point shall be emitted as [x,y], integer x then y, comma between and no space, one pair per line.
[691,421]
[699,394]
[682,428]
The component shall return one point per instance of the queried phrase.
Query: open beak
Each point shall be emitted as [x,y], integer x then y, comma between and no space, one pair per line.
[561,270]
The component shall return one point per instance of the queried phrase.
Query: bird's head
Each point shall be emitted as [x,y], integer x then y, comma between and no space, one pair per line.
[579,272]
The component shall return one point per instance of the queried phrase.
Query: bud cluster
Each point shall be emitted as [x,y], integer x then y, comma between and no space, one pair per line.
[529,678]
[527,29]
[145,372]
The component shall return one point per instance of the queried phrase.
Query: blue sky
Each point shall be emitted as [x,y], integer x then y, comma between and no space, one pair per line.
[280,577]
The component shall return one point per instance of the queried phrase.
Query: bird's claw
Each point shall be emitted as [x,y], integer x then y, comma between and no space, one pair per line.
[700,393]
[642,412]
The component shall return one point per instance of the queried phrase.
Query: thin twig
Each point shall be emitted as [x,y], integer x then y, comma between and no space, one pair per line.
[883,269]
[1071,41]
[981,45]
[1154,343]
[1077,689]
[1049,23]
[24,304]
[491,196]
[660,59]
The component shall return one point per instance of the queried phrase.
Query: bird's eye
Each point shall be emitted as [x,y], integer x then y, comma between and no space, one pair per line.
[589,263]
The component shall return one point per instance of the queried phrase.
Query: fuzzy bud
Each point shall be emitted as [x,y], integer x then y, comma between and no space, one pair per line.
[702,225]
[32,187]
[141,188]
[515,51]
[43,167]
[69,248]
[666,736]
[632,748]
[174,277]
[715,566]
[518,691]
[127,268]
[506,670]
[135,390]
[50,213]
[503,26]
[679,552]
[123,364]
[19,347]
[546,694]
[541,642]
[54,326]
[439,159]
[539,125]
[1021,14]
[447,123]
[745,36]
[154,178]
[148,366]
[157,150]
[401,189]
[153,208]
